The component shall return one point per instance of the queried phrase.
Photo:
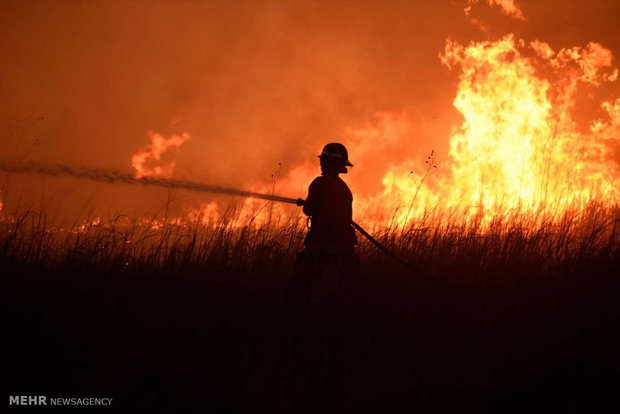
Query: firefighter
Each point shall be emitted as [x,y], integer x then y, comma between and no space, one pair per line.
[331,238]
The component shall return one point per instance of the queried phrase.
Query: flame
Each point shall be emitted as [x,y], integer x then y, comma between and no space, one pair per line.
[154,159]
[519,146]
[518,151]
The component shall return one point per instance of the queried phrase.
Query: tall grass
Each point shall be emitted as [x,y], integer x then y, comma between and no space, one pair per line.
[123,242]
[167,313]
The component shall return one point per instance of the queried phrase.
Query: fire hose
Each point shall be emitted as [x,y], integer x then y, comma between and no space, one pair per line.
[118,177]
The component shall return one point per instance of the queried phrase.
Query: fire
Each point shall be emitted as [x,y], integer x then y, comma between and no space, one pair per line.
[518,151]
[519,146]
[155,160]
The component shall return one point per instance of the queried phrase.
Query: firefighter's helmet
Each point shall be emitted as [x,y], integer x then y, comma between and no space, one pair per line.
[335,151]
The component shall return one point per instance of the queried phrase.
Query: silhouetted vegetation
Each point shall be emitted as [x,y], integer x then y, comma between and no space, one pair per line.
[503,317]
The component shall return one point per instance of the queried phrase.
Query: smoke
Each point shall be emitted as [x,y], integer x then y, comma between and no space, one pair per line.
[253,83]
[508,7]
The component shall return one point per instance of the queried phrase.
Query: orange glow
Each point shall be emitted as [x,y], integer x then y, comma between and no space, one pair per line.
[518,150]
[462,110]
[518,147]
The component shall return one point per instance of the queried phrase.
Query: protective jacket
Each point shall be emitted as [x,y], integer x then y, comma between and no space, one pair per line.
[329,205]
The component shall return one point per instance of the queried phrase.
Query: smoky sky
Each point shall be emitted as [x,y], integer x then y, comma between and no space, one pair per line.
[254,83]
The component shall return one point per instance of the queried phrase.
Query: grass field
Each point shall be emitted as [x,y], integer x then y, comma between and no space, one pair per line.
[511,316]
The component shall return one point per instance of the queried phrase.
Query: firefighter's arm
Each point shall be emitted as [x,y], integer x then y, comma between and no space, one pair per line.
[310,205]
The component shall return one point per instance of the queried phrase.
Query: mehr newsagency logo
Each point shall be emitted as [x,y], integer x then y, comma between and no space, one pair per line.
[44,400]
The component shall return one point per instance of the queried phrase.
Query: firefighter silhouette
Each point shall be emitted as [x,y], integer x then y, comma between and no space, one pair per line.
[331,238]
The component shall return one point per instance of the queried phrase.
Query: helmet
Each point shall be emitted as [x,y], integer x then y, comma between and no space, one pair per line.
[336,152]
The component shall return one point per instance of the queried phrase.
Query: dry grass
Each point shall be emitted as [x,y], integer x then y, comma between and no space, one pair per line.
[181,314]
[123,243]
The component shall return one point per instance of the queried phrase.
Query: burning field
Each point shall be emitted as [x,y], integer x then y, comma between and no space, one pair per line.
[152,154]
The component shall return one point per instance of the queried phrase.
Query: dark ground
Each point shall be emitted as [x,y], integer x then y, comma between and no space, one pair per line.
[212,338]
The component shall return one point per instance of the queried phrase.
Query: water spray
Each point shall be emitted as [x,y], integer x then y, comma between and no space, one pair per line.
[119,177]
